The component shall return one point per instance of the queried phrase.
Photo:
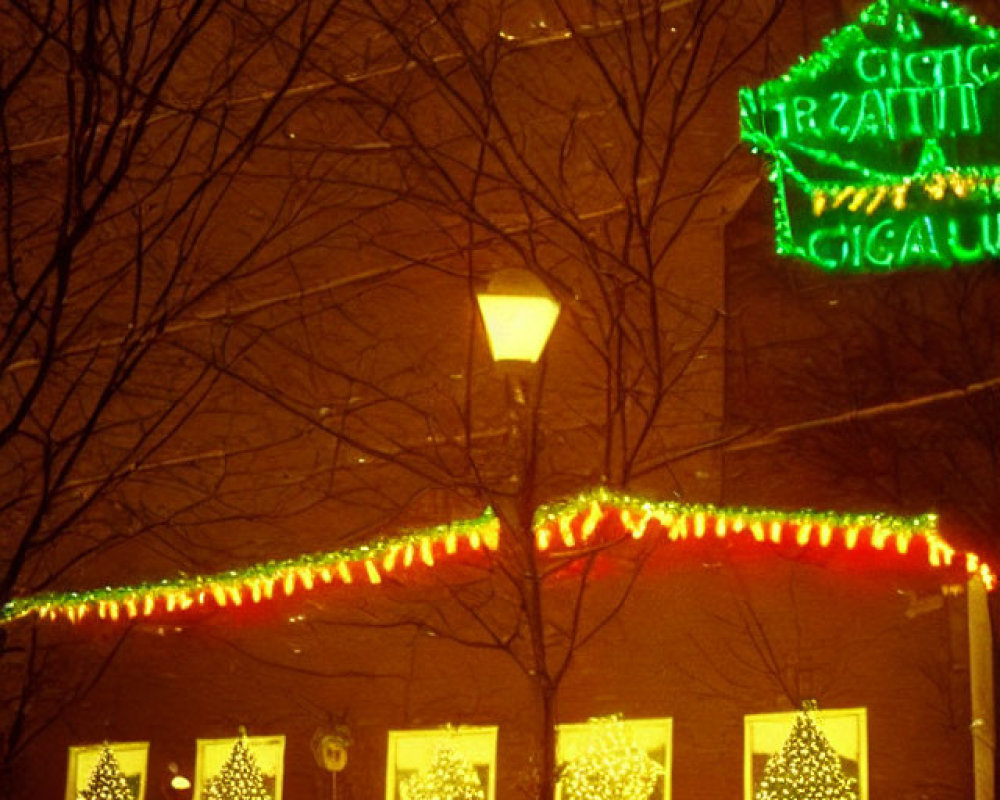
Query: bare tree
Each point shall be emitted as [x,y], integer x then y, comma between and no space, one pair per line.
[123,143]
[480,136]
[242,242]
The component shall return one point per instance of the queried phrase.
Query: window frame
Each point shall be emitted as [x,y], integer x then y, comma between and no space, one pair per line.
[273,748]
[405,739]
[74,774]
[786,718]
[647,728]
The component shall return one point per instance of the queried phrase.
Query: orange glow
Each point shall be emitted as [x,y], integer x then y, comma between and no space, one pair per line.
[451,544]
[879,535]
[491,537]
[850,537]
[408,555]
[542,537]
[594,515]
[988,577]
[803,534]
[826,535]
[389,562]
[344,572]
[775,532]
[426,553]
[373,575]
[627,520]
[565,532]
[939,553]
[289,583]
[635,525]
[148,604]
[219,594]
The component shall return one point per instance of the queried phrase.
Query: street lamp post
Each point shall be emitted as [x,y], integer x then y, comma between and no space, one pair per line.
[519,314]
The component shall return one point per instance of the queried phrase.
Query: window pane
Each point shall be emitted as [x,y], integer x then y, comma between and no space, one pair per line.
[846,729]
[652,736]
[412,754]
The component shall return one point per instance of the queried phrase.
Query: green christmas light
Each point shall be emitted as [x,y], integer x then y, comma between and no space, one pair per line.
[884,141]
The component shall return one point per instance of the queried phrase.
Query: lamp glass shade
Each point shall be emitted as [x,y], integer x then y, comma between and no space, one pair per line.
[518,326]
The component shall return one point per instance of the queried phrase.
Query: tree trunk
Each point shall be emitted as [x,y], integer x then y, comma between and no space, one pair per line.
[547,740]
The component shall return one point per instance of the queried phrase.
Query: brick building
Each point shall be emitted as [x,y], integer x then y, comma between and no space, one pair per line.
[348,395]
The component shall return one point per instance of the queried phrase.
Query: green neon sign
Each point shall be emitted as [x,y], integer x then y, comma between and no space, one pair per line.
[885,143]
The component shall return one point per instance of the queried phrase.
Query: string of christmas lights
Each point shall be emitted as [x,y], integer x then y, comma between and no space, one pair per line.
[567,525]
[974,183]
[447,777]
[611,767]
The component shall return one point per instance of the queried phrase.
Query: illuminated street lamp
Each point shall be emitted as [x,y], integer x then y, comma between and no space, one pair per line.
[519,314]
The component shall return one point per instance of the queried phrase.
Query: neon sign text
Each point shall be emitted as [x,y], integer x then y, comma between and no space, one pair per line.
[884,143]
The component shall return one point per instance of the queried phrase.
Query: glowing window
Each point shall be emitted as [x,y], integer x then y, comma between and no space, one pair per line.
[131,758]
[268,756]
[415,757]
[652,736]
[846,730]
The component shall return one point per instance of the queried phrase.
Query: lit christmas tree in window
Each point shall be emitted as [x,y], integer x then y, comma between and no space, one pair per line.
[807,767]
[107,781]
[240,778]
[449,777]
[611,767]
